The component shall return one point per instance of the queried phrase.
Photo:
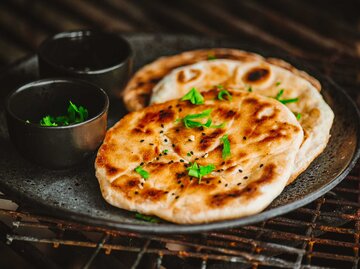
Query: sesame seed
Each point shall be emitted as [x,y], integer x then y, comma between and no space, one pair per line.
[151,144]
[203,133]
[177,197]
[191,152]
[162,125]
[142,140]
[157,158]
[226,185]
[181,160]
[165,140]
[238,184]
[222,163]
[142,183]
[169,107]
[246,177]
[179,182]
[173,145]
[166,191]
[180,109]
[240,171]
[244,137]
[219,181]
[161,131]
[261,165]
[207,181]
[181,186]
[136,192]
[173,193]
[196,159]
[141,163]
[177,129]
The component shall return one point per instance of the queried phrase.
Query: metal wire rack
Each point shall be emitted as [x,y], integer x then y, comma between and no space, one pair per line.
[324,234]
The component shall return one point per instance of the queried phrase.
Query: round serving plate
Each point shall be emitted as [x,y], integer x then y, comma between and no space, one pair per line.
[74,194]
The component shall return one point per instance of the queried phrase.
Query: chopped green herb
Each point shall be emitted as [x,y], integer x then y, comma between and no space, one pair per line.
[250,89]
[146,218]
[188,154]
[226,93]
[144,174]
[278,83]
[165,151]
[194,96]
[74,115]
[48,121]
[226,147]
[189,121]
[211,57]
[199,171]
[297,115]
[285,101]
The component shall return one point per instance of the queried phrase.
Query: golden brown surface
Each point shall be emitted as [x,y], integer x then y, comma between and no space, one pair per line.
[138,91]
[264,138]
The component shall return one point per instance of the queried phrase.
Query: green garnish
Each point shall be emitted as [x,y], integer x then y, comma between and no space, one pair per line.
[226,147]
[189,121]
[194,96]
[285,101]
[146,218]
[250,89]
[277,83]
[199,171]
[165,151]
[144,174]
[297,115]
[188,154]
[74,115]
[226,93]
[211,57]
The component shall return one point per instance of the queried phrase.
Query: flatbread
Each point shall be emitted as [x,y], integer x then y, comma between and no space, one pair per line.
[263,78]
[264,138]
[137,92]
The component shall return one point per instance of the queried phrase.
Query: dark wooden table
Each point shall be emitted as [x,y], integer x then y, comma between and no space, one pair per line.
[325,33]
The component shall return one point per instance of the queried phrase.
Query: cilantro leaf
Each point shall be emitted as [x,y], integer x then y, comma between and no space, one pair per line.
[297,115]
[250,89]
[189,120]
[226,147]
[48,121]
[144,174]
[74,115]
[146,218]
[285,101]
[226,93]
[199,171]
[194,96]
[211,57]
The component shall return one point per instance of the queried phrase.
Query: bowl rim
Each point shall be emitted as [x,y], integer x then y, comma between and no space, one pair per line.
[84,33]
[46,81]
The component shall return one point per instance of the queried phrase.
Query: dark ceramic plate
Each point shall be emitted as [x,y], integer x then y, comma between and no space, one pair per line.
[74,194]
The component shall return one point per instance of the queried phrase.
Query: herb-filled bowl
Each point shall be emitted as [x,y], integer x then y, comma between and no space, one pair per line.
[57,123]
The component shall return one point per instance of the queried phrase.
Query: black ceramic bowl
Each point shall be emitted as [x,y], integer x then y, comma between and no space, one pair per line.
[103,59]
[62,146]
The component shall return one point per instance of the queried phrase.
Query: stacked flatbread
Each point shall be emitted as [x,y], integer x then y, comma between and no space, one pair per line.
[150,161]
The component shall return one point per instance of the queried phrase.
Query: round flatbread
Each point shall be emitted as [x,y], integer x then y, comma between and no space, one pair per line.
[259,76]
[152,159]
[137,92]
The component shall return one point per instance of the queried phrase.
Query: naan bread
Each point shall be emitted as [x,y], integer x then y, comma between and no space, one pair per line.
[264,140]
[265,79]
[137,92]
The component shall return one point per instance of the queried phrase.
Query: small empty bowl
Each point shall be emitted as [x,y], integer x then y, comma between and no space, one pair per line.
[61,146]
[104,59]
